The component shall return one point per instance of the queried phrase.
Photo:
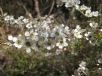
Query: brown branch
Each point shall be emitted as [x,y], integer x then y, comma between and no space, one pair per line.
[52,6]
[1,11]
[36,2]
[28,14]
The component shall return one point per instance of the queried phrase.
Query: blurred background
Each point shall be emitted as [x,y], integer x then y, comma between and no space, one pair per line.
[20,7]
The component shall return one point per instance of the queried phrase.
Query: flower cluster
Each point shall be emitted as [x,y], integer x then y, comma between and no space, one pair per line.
[87,11]
[70,3]
[41,34]
[99,63]
[82,70]
[78,32]
[45,34]
[19,22]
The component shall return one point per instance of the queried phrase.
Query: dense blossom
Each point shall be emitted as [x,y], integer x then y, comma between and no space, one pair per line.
[82,70]
[70,3]
[45,33]
[85,10]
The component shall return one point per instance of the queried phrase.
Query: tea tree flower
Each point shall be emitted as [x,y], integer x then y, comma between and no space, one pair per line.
[88,13]
[66,30]
[100,30]
[28,50]
[82,70]
[44,34]
[25,20]
[71,3]
[62,44]
[68,3]
[29,25]
[58,51]
[93,24]
[8,18]
[78,32]
[100,60]
[27,33]
[82,64]
[95,13]
[77,7]
[14,39]
[88,35]
[83,8]
[48,47]
[10,37]
[18,43]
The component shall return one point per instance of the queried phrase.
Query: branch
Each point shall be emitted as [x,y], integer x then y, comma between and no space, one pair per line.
[52,6]
[28,14]
[1,11]
[36,2]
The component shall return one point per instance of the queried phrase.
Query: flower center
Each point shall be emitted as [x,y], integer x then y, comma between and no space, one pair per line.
[28,44]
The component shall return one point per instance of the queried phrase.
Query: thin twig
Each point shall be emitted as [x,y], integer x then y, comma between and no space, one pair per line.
[51,7]
[37,8]
[28,14]
[1,11]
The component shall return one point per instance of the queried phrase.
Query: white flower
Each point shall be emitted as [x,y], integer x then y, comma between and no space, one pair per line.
[27,33]
[65,43]
[10,37]
[71,3]
[83,8]
[58,51]
[18,42]
[29,25]
[28,50]
[20,18]
[77,7]
[88,35]
[17,45]
[82,64]
[91,43]
[100,30]
[34,35]
[45,34]
[93,24]
[25,20]
[48,47]
[78,35]
[62,44]
[14,39]
[59,45]
[95,13]
[77,32]
[16,21]
[78,27]
[66,30]
[8,18]
[82,69]
[88,13]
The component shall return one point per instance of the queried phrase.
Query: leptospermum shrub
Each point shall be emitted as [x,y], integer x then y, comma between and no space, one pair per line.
[44,47]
